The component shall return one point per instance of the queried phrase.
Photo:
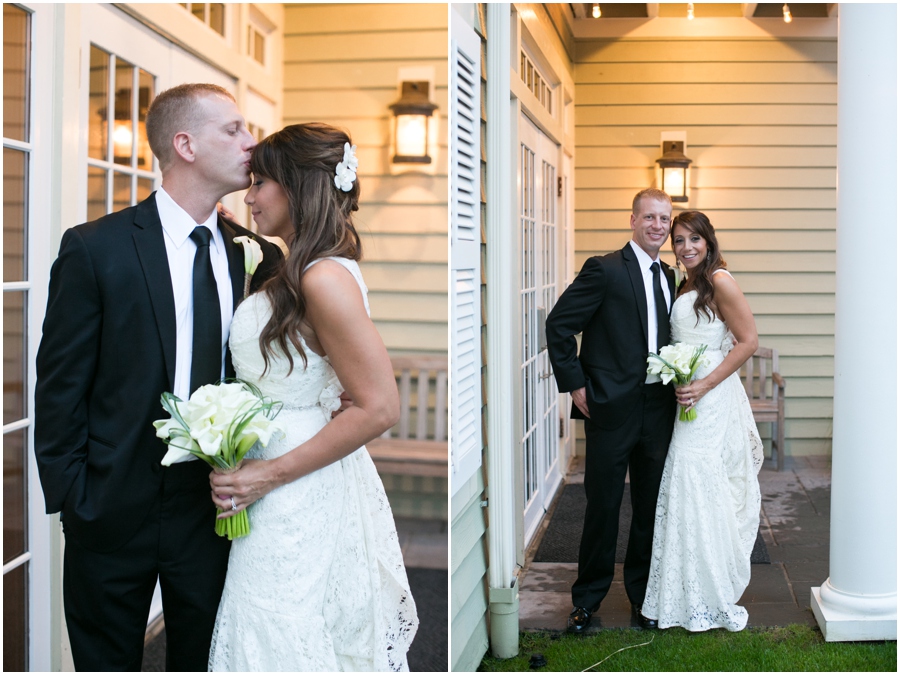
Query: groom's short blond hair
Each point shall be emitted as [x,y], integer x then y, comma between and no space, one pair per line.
[173,111]
[649,193]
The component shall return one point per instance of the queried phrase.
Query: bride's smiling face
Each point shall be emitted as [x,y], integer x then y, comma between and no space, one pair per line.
[689,247]
[271,210]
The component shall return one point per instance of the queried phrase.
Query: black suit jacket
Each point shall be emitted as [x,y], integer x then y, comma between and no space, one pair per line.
[106,355]
[606,304]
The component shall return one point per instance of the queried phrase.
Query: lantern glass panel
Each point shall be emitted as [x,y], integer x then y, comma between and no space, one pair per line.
[412,135]
[673,181]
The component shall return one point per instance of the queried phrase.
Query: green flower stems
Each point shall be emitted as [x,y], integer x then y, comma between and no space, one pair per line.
[687,415]
[233,527]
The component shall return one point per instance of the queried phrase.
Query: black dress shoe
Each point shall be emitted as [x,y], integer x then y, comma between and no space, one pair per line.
[647,624]
[579,620]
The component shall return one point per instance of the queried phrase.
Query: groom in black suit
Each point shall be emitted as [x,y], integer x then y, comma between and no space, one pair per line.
[140,302]
[620,304]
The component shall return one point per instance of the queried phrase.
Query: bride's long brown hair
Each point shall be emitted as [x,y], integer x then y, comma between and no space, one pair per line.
[302,158]
[701,276]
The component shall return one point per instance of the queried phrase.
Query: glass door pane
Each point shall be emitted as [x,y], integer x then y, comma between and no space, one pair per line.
[98,104]
[15,512]
[15,174]
[123,122]
[16,53]
[15,620]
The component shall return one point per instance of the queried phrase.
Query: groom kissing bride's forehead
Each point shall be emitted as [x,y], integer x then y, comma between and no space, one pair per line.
[140,303]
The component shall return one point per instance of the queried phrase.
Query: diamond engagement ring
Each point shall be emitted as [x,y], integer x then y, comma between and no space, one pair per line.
[690,403]
[233,505]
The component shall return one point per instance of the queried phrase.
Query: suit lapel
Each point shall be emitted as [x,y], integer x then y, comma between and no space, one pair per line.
[235,255]
[637,284]
[151,249]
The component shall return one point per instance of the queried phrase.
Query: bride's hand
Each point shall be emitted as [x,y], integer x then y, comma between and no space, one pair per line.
[689,395]
[251,482]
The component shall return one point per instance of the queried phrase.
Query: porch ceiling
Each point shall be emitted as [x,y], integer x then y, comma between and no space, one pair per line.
[581,11]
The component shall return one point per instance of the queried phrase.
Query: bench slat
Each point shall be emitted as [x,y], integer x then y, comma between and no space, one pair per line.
[425,452]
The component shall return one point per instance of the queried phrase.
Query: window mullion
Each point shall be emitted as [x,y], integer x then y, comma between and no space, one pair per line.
[13,144]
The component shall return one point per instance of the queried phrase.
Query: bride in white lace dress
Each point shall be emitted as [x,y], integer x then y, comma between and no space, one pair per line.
[707,514]
[319,583]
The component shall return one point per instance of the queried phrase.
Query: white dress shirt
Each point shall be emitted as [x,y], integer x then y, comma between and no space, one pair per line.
[645,261]
[177,226]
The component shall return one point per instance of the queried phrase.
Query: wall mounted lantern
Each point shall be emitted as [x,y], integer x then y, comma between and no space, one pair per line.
[413,115]
[674,169]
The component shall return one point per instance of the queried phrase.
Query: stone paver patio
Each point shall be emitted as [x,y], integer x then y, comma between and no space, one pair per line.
[795,522]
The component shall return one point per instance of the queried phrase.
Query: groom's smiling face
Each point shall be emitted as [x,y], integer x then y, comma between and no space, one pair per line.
[650,225]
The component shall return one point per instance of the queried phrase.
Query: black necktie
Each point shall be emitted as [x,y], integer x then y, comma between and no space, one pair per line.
[206,360]
[662,310]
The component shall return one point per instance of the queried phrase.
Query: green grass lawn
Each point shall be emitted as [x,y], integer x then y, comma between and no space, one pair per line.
[791,648]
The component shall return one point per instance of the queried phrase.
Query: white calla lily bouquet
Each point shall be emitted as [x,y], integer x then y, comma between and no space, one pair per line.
[678,362]
[219,424]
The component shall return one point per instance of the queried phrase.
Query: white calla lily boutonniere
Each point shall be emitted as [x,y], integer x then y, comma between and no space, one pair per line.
[678,276]
[253,255]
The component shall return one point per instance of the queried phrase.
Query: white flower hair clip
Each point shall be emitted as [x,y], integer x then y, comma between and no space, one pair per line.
[345,171]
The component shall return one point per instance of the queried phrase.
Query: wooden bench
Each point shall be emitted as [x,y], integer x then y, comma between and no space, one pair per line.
[417,444]
[765,389]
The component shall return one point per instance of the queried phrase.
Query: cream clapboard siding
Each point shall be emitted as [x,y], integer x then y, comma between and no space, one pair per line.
[760,117]
[341,63]
[468,580]
[340,66]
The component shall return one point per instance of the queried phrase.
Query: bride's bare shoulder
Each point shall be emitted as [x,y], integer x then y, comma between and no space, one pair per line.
[328,281]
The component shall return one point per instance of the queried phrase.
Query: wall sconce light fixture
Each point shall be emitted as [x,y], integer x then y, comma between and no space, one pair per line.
[674,169]
[786,11]
[596,11]
[413,115]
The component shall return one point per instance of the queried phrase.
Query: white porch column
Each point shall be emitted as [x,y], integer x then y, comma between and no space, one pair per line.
[858,601]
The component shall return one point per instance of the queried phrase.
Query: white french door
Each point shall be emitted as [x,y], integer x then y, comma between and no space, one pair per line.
[539,199]
[126,65]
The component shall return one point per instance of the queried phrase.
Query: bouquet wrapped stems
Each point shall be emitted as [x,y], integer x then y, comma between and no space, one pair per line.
[237,525]
[685,414]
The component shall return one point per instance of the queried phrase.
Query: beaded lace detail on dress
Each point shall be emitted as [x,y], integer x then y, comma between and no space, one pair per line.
[707,514]
[319,584]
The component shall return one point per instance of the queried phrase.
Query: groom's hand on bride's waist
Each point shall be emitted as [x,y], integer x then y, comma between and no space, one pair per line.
[346,402]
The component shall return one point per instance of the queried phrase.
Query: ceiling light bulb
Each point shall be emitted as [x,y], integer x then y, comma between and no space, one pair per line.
[690,15]
[787,13]
[596,12]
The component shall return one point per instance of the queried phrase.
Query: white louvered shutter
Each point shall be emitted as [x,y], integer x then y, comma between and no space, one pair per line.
[465,252]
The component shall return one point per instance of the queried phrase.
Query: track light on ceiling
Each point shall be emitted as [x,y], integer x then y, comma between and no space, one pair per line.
[787,13]
[596,12]
[690,11]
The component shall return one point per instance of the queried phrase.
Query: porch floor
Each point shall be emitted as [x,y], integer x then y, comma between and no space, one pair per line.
[795,525]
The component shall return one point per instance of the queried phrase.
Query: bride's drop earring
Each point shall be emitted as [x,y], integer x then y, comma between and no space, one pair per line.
[707,256]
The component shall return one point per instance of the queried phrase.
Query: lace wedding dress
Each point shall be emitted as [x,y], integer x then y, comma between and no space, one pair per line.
[707,514]
[319,583]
